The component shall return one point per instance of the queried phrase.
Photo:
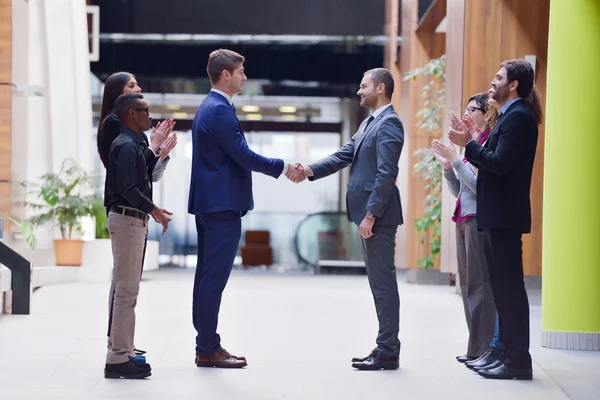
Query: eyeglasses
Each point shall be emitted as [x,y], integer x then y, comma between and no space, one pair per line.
[141,109]
[471,110]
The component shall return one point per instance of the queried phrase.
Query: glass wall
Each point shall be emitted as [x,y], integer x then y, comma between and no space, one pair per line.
[279,204]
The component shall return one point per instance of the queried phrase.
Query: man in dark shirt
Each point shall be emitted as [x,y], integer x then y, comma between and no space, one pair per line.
[129,199]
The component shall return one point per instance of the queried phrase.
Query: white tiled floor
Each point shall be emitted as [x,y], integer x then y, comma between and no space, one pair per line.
[298,333]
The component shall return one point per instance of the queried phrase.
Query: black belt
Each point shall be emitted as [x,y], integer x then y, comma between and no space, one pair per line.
[129,212]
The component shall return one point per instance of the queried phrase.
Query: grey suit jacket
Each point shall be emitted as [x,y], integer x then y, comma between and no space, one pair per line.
[374,153]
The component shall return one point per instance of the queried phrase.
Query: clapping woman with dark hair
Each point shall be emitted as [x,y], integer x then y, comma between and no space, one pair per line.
[156,153]
[109,127]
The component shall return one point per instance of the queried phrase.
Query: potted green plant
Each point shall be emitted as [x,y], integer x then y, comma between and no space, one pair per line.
[24,226]
[62,199]
[101,221]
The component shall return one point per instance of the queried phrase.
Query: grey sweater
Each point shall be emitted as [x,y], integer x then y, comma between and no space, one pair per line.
[159,169]
[462,182]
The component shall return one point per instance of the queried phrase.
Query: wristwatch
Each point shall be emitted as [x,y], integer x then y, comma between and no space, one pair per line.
[369,215]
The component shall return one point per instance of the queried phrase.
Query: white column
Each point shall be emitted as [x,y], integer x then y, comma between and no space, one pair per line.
[69,94]
[50,52]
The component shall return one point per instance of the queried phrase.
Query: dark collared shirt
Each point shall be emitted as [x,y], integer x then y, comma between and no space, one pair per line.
[127,181]
[111,129]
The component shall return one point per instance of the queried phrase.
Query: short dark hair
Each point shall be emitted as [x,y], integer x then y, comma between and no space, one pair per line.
[481,100]
[522,72]
[382,75]
[125,102]
[222,59]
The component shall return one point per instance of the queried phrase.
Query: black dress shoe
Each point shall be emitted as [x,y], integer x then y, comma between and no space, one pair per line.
[506,372]
[363,359]
[127,370]
[377,362]
[495,364]
[139,352]
[488,358]
[464,359]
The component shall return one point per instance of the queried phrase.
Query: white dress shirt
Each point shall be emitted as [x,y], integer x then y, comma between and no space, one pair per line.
[378,112]
[228,97]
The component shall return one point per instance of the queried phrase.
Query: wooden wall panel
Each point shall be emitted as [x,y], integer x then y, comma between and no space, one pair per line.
[433,17]
[497,30]
[390,58]
[417,49]
[5,101]
[455,38]
[5,40]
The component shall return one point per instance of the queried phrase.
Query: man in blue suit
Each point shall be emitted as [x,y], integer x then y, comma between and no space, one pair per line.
[220,195]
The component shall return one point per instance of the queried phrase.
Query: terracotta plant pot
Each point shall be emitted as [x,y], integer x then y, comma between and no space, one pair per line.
[68,252]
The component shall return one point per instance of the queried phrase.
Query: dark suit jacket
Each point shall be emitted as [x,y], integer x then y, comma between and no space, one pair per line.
[505,167]
[374,152]
[222,162]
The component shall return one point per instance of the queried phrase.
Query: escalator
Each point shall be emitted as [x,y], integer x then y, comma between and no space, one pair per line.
[329,243]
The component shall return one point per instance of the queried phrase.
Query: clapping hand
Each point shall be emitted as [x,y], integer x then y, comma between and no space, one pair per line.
[296,173]
[459,133]
[446,154]
[168,145]
[160,133]
[473,128]
[438,154]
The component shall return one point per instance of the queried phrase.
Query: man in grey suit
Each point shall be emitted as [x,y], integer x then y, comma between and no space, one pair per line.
[373,203]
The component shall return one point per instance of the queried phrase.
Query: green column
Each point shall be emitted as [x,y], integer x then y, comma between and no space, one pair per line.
[571,221]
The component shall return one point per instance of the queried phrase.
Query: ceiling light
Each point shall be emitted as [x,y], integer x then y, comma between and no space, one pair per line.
[289,117]
[172,107]
[254,117]
[287,109]
[250,109]
[179,115]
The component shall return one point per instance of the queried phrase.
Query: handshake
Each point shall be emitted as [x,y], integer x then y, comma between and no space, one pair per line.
[297,172]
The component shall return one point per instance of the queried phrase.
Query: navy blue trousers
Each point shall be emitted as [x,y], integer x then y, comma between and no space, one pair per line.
[218,240]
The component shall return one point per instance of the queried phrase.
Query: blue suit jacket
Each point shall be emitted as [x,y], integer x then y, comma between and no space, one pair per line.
[222,163]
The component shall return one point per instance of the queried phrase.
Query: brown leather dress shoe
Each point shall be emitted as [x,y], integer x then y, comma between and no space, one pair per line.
[220,359]
[238,357]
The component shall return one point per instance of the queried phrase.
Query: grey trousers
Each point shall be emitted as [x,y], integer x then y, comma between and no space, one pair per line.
[478,300]
[378,252]
[127,235]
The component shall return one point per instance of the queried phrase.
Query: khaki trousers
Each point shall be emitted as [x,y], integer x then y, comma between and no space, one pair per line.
[127,235]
